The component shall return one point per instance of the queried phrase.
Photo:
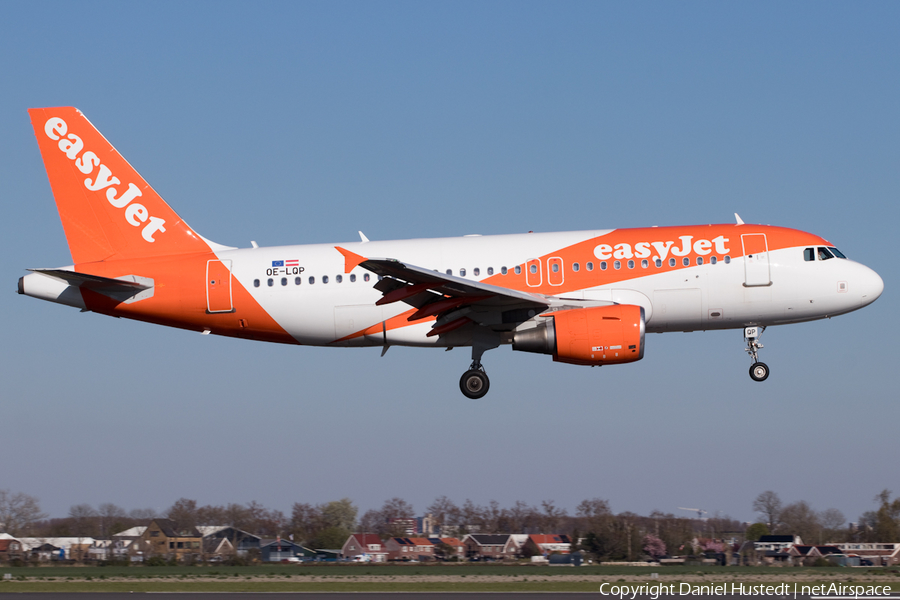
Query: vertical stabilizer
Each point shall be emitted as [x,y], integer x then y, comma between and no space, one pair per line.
[107,209]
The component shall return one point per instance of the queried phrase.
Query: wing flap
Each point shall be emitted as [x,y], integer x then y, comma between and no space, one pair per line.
[437,294]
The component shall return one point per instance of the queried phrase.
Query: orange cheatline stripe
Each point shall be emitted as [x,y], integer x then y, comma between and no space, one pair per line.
[582,252]
[351,259]
[180,300]
[397,322]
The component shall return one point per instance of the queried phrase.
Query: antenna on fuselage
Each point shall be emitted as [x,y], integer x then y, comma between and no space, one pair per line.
[738,218]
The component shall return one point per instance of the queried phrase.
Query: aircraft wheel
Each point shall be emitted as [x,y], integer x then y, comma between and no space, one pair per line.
[759,371]
[474,384]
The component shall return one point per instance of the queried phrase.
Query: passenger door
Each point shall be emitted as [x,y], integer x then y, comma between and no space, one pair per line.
[218,286]
[756,260]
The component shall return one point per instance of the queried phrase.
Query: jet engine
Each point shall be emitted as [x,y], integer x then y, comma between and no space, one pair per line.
[599,335]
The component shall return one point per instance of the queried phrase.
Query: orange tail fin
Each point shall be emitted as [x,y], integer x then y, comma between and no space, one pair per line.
[107,209]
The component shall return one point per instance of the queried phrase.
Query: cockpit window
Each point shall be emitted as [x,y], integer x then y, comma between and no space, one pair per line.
[836,252]
[809,254]
[825,254]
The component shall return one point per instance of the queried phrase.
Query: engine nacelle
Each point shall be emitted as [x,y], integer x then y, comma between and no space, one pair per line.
[599,335]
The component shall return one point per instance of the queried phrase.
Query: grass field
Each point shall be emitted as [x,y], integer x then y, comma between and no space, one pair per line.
[424,578]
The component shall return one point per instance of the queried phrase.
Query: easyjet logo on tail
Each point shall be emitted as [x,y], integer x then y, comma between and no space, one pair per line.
[682,248]
[136,214]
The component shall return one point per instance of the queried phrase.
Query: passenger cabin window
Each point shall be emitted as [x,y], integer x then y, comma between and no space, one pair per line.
[617,265]
[699,260]
[449,271]
[809,254]
[712,260]
[365,276]
[312,280]
[490,270]
[671,262]
[824,253]
[630,264]
[339,278]
[297,280]
[518,270]
[685,261]
[352,277]
[284,281]
[462,272]
[644,264]
[256,283]
[270,282]
[476,271]
[576,267]
[324,278]
[727,259]
[589,266]
[603,265]
[658,263]
[503,270]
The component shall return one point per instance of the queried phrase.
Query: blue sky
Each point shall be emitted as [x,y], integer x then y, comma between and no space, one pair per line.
[302,122]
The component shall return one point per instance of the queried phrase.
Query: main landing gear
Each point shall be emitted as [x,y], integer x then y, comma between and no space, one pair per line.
[759,371]
[474,383]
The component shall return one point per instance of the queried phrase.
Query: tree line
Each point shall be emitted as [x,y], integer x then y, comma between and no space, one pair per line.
[599,531]
[829,525]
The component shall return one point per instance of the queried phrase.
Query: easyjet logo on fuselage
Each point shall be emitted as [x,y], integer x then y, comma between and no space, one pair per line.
[135,214]
[683,247]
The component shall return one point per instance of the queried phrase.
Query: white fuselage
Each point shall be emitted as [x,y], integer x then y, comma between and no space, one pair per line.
[327,306]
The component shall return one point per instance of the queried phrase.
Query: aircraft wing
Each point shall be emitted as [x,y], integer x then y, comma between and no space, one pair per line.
[454,301]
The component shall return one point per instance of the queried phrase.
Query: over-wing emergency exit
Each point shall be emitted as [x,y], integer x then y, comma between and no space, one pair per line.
[582,297]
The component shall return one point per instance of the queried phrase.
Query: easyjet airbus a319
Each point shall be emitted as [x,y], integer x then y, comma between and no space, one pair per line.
[582,297]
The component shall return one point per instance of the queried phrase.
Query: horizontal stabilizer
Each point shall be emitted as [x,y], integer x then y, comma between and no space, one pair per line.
[93,282]
[128,289]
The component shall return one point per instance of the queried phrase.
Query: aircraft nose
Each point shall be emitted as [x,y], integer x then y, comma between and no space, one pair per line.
[870,285]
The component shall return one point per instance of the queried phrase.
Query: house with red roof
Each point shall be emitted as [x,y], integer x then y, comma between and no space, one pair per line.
[807,555]
[879,553]
[11,549]
[459,549]
[540,544]
[405,548]
[490,546]
[367,545]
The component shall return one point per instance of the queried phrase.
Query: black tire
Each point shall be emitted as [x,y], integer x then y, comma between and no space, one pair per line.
[474,384]
[759,371]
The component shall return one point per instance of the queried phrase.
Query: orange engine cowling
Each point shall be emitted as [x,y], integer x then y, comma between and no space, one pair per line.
[600,335]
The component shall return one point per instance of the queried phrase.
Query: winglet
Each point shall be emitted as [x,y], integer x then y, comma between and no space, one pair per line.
[351,260]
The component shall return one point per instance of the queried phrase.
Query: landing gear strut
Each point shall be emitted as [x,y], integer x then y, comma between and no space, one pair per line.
[759,371]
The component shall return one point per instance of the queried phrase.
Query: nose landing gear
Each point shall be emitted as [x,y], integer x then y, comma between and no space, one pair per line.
[759,371]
